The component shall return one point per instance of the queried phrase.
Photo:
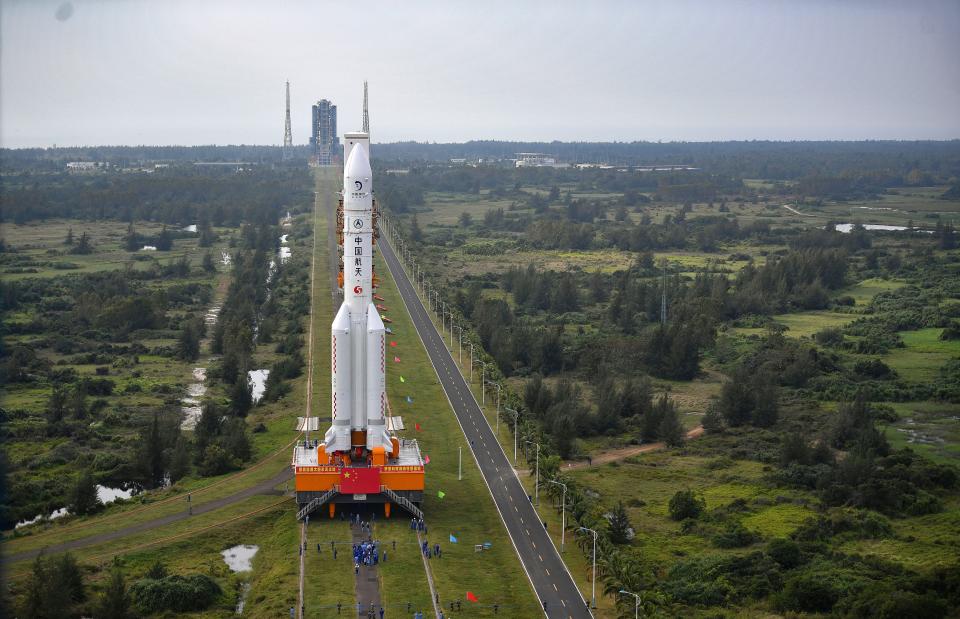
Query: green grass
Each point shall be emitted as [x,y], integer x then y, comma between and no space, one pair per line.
[923,356]
[864,292]
[921,543]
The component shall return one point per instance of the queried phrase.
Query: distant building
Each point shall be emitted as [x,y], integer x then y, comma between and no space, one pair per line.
[86,166]
[323,137]
[538,160]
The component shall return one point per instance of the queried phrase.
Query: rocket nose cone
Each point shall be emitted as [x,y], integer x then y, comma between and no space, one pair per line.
[358,165]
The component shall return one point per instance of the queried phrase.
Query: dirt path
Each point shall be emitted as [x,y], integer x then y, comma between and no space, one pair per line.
[625,452]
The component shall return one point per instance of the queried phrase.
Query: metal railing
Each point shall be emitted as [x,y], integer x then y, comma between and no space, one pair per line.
[317,502]
[399,500]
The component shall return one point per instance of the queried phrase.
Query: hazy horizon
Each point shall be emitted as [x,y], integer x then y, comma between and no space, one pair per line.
[100,72]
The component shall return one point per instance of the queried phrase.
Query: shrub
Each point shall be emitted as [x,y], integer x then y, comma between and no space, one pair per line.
[685,504]
[809,593]
[175,593]
[734,535]
[785,552]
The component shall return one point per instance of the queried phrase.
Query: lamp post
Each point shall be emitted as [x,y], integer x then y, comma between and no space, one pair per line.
[636,605]
[593,580]
[460,343]
[483,380]
[471,363]
[516,417]
[499,389]
[563,517]
[536,487]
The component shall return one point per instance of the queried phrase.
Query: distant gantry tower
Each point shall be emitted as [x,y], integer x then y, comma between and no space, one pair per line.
[287,134]
[366,110]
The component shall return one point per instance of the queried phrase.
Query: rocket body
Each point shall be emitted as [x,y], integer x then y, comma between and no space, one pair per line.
[358,368]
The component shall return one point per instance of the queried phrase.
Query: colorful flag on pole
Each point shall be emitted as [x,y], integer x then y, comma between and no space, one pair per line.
[417,426]
[396,359]
[441,493]
[402,379]
[472,597]
[426,460]
[392,343]
[453,540]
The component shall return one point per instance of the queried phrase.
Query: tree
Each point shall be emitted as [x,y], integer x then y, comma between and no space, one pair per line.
[69,239]
[83,246]
[209,266]
[188,344]
[84,499]
[54,588]
[179,461]
[131,241]
[164,240]
[56,405]
[151,461]
[77,402]
[241,396]
[620,528]
[115,600]
[416,234]
[712,420]
[685,504]
[466,219]
[670,429]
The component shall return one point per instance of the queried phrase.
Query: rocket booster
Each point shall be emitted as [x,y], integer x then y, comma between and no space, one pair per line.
[358,354]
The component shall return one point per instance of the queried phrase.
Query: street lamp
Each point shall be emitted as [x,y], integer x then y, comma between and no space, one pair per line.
[483,380]
[593,593]
[471,363]
[636,606]
[516,417]
[499,389]
[460,342]
[563,517]
[536,487]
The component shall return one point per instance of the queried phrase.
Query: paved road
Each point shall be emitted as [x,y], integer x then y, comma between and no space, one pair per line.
[547,572]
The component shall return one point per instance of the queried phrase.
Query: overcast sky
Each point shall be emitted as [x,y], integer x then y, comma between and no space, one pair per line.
[92,72]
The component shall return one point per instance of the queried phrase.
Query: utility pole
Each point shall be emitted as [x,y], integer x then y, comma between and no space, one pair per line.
[366,111]
[563,517]
[663,298]
[287,134]
[536,487]
[593,595]
[516,419]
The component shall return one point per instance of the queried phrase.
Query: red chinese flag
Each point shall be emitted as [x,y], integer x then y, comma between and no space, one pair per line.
[357,480]
[417,426]
[392,343]
[472,597]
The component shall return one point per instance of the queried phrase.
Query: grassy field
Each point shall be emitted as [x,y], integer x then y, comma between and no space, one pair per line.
[923,356]
[40,249]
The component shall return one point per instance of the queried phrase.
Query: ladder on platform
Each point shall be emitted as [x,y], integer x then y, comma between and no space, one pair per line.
[407,504]
[317,502]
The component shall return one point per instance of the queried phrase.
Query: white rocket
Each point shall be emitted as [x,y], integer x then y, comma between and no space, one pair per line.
[358,352]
